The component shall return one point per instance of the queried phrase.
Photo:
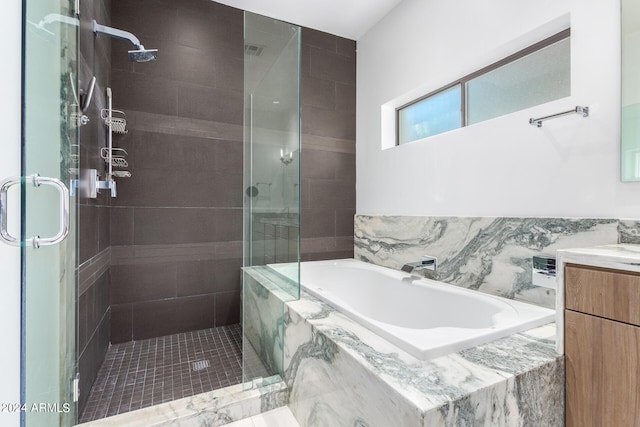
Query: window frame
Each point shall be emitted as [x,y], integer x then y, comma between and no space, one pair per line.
[462,82]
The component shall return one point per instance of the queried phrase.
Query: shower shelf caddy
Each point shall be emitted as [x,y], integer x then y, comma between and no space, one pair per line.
[117,122]
[115,158]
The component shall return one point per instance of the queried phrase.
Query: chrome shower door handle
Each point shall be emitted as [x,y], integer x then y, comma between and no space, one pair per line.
[5,237]
[36,241]
[63,229]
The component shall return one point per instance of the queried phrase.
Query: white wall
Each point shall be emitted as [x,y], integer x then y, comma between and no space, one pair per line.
[504,166]
[9,166]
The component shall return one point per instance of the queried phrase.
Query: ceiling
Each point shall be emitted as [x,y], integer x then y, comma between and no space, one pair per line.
[350,19]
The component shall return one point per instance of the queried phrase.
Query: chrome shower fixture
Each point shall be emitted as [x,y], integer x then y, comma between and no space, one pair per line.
[85,96]
[139,55]
[143,55]
[286,156]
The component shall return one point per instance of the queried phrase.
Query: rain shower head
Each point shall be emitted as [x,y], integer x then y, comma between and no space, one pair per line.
[143,55]
[139,55]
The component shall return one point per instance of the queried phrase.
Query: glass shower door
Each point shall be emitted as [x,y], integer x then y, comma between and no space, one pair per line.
[272,191]
[48,232]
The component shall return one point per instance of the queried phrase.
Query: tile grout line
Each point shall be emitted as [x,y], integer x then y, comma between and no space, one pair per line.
[147,372]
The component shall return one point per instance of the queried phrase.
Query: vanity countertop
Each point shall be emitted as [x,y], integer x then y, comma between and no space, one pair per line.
[619,257]
[625,257]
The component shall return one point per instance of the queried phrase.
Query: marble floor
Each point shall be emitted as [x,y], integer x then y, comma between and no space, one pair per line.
[147,372]
[281,417]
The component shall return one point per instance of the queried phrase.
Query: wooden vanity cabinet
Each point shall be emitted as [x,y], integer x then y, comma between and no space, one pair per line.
[602,347]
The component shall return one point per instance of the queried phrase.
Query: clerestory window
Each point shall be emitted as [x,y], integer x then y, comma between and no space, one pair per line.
[537,74]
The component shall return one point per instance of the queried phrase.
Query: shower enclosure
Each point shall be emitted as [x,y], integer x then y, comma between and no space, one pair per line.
[272,143]
[143,296]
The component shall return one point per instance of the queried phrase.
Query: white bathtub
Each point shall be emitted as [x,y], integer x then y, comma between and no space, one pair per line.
[424,317]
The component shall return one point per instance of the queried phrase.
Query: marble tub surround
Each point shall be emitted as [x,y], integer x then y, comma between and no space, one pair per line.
[341,374]
[489,254]
[624,257]
[263,317]
[211,409]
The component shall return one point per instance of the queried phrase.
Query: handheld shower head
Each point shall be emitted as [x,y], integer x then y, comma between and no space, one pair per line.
[143,55]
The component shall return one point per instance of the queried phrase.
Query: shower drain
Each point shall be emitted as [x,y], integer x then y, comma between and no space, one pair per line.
[199,365]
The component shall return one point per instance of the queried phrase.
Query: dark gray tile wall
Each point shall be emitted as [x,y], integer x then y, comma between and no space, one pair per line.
[93,298]
[93,333]
[328,165]
[275,239]
[183,204]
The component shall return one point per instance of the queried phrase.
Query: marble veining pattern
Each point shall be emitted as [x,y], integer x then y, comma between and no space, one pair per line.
[341,374]
[211,409]
[532,399]
[504,355]
[492,255]
[629,231]
[332,388]
[263,322]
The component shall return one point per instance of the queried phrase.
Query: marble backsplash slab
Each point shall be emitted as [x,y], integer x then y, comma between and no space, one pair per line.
[629,231]
[489,254]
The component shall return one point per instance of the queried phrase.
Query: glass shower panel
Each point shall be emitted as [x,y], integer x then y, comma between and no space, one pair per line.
[271,190]
[50,149]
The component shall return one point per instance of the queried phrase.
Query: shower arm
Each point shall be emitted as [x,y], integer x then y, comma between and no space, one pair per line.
[56,17]
[116,33]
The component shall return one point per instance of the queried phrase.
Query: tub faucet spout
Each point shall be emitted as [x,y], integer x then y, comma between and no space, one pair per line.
[428,262]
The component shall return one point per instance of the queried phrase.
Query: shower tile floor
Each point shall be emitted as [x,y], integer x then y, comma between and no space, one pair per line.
[143,373]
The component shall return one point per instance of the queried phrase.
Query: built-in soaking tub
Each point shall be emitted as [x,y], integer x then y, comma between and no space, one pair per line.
[424,317]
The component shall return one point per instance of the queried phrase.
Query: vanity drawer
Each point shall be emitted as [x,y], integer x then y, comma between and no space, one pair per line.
[602,368]
[611,294]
